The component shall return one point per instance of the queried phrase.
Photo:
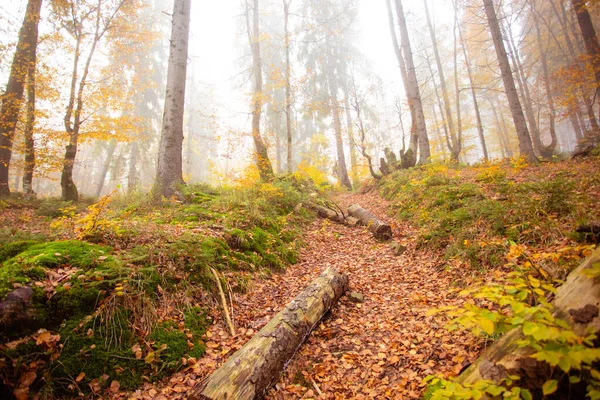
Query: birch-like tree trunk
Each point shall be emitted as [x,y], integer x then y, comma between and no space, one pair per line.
[455,146]
[408,155]
[169,168]
[525,145]
[412,85]
[13,96]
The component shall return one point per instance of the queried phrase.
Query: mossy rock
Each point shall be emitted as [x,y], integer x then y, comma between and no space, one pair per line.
[11,249]
[69,252]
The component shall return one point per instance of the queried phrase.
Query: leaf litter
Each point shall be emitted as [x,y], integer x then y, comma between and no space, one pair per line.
[382,348]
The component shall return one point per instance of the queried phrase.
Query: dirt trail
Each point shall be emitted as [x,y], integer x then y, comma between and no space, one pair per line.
[381,348]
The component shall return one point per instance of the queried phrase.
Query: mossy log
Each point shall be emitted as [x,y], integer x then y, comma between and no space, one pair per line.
[251,370]
[379,228]
[577,302]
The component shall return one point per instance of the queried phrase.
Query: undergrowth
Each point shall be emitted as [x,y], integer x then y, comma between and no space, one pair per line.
[121,296]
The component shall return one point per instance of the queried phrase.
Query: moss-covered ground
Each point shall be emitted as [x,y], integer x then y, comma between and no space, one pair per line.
[119,286]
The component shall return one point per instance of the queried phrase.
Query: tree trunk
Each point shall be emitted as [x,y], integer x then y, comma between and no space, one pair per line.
[413,92]
[342,171]
[349,124]
[110,152]
[263,163]
[454,144]
[579,293]
[169,168]
[132,181]
[257,365]
[592,45]
[546,151]
[13,96]
[480,132]
[525,145]
[414,138]
[29,127]
[379,228]
[288,86]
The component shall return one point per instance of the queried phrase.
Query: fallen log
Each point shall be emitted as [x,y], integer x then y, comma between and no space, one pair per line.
[379,228]
[577,302]
[252,369]
[328,213]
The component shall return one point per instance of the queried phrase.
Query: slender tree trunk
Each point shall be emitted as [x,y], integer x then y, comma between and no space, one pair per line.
[169,168]
[411,153]
[72,119]
[342,171]
[480,132]
[29,128]
[413,91]
[110,153]
[265,168]
[353,161]
[455,146]
[458,140]
[132,181]
[288,86]
[546,151]
[446,138]
[525,145]
[13,96]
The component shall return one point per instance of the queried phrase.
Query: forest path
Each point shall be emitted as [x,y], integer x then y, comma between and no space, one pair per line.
[382,348]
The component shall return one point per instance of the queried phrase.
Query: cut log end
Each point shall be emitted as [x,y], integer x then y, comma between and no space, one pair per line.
[381,230]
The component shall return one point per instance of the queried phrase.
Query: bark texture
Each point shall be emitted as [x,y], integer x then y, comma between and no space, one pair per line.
[251,370]
[169,171]
[525,145]
[13,96]
[379,229]
[263,163]
[413,91]
[579,296]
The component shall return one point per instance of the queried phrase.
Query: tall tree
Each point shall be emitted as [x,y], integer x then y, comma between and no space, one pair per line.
[525,145]
[473,89]
[13,96]
[77,17]
[455,143]
[169,170]
[29,128]
[263,162]
[413,91]
[592,45]
[288,88]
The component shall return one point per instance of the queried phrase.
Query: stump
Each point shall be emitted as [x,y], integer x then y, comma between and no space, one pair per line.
[577,302]
[379,228]
[251,370]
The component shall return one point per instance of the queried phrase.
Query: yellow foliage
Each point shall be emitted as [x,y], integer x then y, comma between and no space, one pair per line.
[308,171]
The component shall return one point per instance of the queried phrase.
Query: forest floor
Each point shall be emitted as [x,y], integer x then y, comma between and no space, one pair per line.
[382,348]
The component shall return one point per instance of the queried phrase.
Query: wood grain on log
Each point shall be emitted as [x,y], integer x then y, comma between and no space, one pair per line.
[258,364]
[577,302]
[379,228]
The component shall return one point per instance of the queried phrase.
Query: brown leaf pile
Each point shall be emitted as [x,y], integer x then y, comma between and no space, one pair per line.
[382,348]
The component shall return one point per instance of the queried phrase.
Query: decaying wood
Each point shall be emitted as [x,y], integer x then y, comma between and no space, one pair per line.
[577,302]
[324,212]
[224,303]
[251,370]
[379,228]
